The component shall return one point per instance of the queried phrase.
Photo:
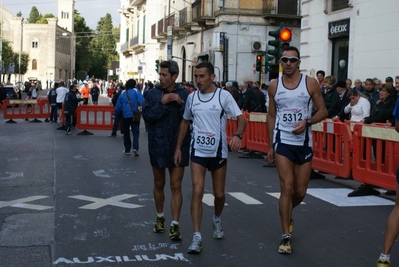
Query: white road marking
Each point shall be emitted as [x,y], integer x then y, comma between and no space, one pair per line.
[339,197]
[277,195]
[12,175]
[208,199]
[112,201]
[101,173]
[245,198]
[21,203]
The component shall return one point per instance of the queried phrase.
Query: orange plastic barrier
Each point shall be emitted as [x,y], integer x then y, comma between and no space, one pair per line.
[256,133]
[332,148]
[26,109]
[90,117]
[231,129]
[375,155]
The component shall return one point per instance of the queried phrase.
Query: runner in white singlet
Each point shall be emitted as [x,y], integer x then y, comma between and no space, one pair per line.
[289,121]
[207,109]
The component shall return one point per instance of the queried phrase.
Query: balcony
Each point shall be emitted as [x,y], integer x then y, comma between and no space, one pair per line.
[155,33]
[135,46]
[277,11]
[136,2]
[185,20]
[203,12]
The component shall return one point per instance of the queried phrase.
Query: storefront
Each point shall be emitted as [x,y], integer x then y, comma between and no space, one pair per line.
[339,36]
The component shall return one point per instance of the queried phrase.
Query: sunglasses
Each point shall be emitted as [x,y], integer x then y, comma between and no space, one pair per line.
[291,59]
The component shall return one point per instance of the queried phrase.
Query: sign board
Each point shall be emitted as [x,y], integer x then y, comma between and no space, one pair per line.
[110,72]
[117,71]
[132,73]
[338,29]
[140,69]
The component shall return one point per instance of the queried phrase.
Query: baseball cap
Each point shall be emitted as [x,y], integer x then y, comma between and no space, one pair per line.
[389,79]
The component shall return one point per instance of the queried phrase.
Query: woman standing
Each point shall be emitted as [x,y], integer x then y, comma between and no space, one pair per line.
[359,107]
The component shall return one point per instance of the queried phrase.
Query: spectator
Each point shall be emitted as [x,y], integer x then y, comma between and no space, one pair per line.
[389,81]
[85,92]
[95,93]
[382,111]
[358,86]
[359,107]
[233,91]
[320,74]
[330,95]
[336,111]
[71,103]
[377,83]
[52,100]
[61,93]
[348,84]
[128,103]
[370,92]
[118,120]
[396,93]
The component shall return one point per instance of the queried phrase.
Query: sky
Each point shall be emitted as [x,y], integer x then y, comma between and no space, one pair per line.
[91,10]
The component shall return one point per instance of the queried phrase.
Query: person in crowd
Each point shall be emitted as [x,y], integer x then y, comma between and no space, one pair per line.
[336,111]
[52,100]
[370,92]
[289,121]
[260,98]
[163,111]
[118,120]
[70,104]
[382,111]
[348,83]
[61,93]
[234,91]
[359,106]
[249,100]
[207,108]
[389,81]
[128,104]
[35,92]
[396,89]
[320,75]
[377,83]
[330,95]
[358,86]
[95,93]
[85,92]
[150,86]
[392,225]
[110,94]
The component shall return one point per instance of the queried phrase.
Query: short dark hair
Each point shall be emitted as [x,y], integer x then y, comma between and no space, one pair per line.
[322,72]
[370,80]
[171,65]
[341,84]
[131,83]
[208,65]
[292,48]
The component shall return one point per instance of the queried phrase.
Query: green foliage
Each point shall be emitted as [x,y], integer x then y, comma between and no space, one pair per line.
[43,19]
[19,14]
[34,15]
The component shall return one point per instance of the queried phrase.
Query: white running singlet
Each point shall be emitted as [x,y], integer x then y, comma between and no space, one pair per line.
[292,105]
[209,115]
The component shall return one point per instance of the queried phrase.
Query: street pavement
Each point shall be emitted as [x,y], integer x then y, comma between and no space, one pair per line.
[77,200]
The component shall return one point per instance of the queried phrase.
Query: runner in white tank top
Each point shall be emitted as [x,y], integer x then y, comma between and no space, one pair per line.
[291,98]
[292,105]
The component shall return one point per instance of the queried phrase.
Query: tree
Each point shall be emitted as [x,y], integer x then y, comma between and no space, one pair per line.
[83,38]
[19,14]
[43,19]
[34,15]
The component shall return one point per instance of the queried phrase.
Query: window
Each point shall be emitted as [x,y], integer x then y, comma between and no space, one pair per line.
[64,15]
[34,64]
[339,4]
[35,44]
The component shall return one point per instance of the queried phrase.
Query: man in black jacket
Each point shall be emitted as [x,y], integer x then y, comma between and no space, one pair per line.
[71,103]
[336,111]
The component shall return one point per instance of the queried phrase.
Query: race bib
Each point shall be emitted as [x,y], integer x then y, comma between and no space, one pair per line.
[290,116]
[206,142]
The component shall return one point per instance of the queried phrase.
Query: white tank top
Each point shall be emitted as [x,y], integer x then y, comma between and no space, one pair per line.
[292,105]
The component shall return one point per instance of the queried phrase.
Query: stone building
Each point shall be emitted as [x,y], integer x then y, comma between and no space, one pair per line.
[51,47]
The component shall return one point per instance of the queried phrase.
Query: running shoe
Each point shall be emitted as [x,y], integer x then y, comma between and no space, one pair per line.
[174,232]
[285,246]
[291,226]
[383,263]
[159,224]
[217,230]
[135,152]
[126,152]
[196,245]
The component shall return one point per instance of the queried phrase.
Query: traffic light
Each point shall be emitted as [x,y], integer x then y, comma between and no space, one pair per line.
[285,37]
[276,44]
[268,65]
[157,65]
[259,63]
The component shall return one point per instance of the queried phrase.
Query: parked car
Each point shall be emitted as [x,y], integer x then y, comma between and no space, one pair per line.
[9,92]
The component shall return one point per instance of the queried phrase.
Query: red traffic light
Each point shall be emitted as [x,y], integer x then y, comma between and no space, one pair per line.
[258,58]
[285,35]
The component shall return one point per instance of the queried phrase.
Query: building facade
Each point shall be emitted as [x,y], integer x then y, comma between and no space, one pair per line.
[221,32]
[51,47]
[353,39]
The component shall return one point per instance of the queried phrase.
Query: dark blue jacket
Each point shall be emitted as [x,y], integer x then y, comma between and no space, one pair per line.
[163,127]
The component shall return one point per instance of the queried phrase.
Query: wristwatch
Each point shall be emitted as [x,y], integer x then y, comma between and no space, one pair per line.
[308,123]
[238,135]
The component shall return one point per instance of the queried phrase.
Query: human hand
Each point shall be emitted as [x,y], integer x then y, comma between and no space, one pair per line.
[299,127]
[270,156]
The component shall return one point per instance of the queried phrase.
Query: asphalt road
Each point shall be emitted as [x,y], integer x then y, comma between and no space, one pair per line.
[76,200]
